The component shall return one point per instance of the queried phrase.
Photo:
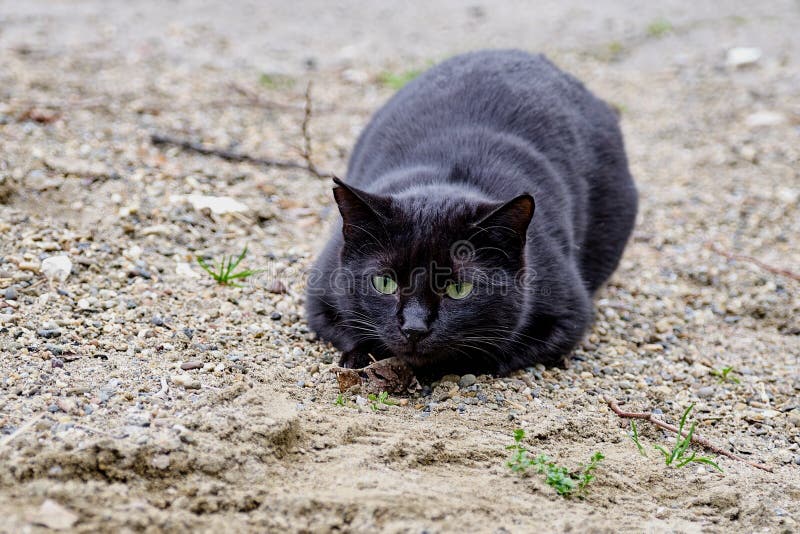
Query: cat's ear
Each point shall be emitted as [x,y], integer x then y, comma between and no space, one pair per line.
[509,221]
[359,209]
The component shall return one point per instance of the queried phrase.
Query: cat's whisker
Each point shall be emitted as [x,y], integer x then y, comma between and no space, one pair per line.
[505,340]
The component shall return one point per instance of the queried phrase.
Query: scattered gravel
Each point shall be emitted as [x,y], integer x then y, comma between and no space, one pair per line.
[215,406]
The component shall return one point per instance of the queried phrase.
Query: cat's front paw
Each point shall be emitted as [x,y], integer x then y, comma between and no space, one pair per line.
[354,359]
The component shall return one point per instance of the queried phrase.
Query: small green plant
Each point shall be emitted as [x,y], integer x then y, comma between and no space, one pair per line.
[396,80]
[724,375]
[560,478]
[340,400]
[519,460]
[276,81]
[679,456]
[619,107]
[224,272]
[587,471]
[659,28]
[377,400]
[635,437]
[615,48]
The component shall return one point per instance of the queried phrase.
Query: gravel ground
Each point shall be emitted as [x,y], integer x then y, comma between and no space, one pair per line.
[138,395]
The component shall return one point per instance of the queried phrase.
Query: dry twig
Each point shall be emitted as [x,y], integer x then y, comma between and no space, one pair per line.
[306,152]
[254,99]
[162,393]
[21,429]
[614,405]
[755,261]
[227,155]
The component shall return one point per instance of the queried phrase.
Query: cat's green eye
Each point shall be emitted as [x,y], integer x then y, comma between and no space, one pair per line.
[384,284]
[458,290]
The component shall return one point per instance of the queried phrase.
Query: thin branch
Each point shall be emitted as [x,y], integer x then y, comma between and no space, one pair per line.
[254,99]
[755,261]
[21,429]
[162,393]
[237,157]
[98,431]
[614,405]
[227,155]
[306,152]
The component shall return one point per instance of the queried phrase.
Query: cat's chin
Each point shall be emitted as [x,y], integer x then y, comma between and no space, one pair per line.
[415,358]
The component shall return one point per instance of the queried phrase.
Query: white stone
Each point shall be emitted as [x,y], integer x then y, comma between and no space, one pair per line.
[742,56]
[54,516]
[57,267]
[133,253]
[160,461]
[217,205]
[185,380]
[354,76]
[184,270]
[761,119]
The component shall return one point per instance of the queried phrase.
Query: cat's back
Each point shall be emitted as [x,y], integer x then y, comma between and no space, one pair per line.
[494,83]
[508,91]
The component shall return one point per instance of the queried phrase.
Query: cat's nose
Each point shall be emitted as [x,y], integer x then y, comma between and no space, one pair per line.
[415,332]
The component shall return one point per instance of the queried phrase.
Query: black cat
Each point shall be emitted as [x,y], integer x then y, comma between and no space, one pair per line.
[439,258]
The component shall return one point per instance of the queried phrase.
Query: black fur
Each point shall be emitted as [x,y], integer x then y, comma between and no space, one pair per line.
[441,186]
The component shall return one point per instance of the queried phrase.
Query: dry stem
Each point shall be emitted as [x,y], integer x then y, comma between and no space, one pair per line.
[306,152]
[614,405]
[755,261]
[21,429]
[227,155]
[237,157]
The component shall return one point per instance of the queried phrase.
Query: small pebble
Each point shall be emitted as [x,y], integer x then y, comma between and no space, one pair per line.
[57,267]
[705,392]
[49,333]
[467,381]
[186,381]
[160,461]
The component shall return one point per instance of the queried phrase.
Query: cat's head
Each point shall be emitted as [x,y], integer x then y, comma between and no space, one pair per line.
[432,276]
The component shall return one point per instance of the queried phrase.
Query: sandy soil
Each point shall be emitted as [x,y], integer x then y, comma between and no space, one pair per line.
[103,427]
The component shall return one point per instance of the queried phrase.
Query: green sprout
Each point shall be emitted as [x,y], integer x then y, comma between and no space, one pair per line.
[340,400]
[396,81]
[634,435]
[276,81]
[223,273]
[519,460]
[378,400]
[723,375]
[659,28]
[615,48]
[565,482]
[679,456]
[587,471]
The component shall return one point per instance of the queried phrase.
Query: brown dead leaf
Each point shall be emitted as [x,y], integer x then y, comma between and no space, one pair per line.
[42,116]
[392,375]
